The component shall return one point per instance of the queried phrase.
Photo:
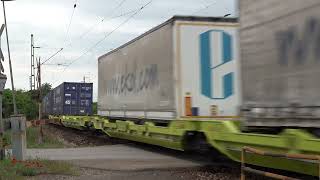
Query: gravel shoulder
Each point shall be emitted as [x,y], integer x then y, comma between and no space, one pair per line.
[73,138]
[182,174]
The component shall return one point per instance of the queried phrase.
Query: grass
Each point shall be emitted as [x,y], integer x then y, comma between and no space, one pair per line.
[19,170]
[33,134]
[10,169]
[59,167]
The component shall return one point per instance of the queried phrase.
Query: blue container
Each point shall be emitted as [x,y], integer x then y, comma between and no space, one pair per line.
[69,98]
[47,104]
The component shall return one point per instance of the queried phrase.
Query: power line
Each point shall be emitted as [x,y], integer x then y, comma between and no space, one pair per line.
[92,27]
[119,5]
[103,20]
[53,55]
[68,29]
[206,7]
[107,35]
[57,64]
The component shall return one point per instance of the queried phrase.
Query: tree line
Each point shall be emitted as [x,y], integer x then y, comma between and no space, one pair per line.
[27,102]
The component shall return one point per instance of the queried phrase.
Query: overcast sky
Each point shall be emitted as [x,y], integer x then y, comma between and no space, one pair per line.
[49,20]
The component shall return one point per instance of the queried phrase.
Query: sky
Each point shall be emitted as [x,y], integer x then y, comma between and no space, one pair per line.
[57,24]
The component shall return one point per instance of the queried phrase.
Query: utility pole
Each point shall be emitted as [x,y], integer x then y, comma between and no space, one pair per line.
[32,76]
[18,122]
[86,78]
[39,85]
[33,65]
[15,112]
[3,79]
[40,98]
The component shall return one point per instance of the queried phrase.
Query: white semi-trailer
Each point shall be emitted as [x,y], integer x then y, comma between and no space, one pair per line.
[280,62]
[187,66]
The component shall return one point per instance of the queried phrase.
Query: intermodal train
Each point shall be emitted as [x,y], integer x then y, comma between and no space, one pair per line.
[195,81]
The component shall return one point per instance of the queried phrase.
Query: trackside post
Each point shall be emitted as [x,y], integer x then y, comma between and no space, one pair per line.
[19,143]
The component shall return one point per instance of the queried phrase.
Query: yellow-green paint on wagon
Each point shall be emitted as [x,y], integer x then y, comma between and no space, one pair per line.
[222,134]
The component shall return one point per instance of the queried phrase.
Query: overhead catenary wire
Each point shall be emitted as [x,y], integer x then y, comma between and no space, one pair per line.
[57,64]
[206,7]
[108,34]
[103,20]
[105,37]
[70,22]
[67,34]
[52,56]
[92,27]
[118,6]
[85,33]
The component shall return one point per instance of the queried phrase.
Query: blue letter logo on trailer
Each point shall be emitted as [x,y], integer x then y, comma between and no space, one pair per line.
[215,52]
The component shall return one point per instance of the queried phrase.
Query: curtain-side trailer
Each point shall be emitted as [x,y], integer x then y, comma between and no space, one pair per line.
[280,62]
[187,66]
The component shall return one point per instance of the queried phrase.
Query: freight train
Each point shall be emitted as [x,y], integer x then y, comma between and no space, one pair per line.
[182,85]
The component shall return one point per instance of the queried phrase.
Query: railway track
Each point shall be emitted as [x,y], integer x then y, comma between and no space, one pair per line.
[213,162]
[81,138]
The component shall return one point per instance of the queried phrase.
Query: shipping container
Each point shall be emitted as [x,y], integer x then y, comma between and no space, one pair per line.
[47,103]
[187,66]
[280,62]
[69,98]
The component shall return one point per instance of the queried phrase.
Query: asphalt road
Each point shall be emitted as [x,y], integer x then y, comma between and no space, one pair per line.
[113,157]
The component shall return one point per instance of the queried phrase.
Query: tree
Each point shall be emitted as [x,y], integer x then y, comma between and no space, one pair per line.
[46,88]
[7,105]
[27,102]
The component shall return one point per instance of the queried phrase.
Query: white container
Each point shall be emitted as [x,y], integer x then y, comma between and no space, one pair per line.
[185,63]
[280,62]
